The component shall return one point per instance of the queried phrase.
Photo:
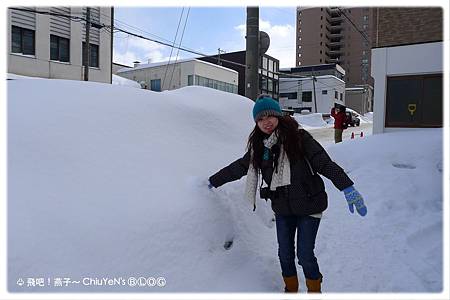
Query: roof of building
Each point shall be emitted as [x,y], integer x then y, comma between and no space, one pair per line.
[310,68]
[309,78]
[163,63]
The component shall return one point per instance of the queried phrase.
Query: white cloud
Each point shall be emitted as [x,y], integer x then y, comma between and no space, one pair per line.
[282,41]
[129,49]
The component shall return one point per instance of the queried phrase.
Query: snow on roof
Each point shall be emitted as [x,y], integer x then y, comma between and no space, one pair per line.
[163,63]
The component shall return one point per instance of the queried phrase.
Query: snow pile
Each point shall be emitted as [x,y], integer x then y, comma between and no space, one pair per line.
[15,76]
[119,80]
[309,121]
[368,117]
[109,182]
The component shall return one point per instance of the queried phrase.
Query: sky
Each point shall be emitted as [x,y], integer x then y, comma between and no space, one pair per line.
[206,29]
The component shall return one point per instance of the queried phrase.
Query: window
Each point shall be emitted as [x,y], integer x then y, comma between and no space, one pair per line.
[341,97]
[324,92]
[289,95]
[269,85]
[59,48]
[263,83]
[264,66]
[307,96]
[215,84]
[271,65]
[155,85]
[366,18]
[94,55]
[190,79]
[365,61]
[23,41]
[365,26]
[335,94]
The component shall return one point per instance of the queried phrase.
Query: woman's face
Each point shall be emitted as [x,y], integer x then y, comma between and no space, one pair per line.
[268,124]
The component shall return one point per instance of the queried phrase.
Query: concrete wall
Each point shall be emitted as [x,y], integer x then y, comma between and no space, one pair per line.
[180,71]
[400,61]
[40,65]
[359,99]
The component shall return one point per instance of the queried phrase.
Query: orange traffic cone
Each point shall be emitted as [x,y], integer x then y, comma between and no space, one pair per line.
[353,135]
[362,135]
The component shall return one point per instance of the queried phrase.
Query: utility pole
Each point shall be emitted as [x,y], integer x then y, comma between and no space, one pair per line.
[314,88]
[252,53]
[218,57]
[87,61]
[112,40]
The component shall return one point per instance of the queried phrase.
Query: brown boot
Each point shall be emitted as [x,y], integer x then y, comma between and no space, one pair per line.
[291,283]
[313,285]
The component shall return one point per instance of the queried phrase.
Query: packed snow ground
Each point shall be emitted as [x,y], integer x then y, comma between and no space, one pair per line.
[118,80]
[107,181]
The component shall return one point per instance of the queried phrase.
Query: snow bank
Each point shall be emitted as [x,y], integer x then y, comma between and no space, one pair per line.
[108,181]
[309,121]
[118,80]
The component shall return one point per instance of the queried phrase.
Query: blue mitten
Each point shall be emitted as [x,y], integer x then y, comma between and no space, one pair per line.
[354,198]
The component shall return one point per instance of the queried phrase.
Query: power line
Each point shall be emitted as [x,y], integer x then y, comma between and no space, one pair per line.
[351,21]
[171,49]
[181,40]
[96,25]
[73,18]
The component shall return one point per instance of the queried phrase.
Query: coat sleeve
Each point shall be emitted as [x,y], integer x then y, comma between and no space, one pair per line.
[232,172]
[322,163]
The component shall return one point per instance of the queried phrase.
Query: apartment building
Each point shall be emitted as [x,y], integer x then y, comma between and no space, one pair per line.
[327,35]
[49,42]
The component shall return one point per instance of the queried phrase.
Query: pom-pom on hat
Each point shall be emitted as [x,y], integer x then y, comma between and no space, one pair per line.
[266,106]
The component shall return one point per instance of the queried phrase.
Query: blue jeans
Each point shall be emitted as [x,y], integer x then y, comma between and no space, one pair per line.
[306,227]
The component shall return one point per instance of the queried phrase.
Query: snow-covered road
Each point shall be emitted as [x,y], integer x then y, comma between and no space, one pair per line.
[326,135]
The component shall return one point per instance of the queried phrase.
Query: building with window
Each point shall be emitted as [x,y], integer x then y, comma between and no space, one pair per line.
[174,75]
[336,35]
[408,69]
[49,42]
[268,71]
[315,70]
[298,93]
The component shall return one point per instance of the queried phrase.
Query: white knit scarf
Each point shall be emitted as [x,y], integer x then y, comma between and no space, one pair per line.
[280,177]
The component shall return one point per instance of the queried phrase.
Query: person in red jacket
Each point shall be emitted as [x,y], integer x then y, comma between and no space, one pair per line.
[339,123]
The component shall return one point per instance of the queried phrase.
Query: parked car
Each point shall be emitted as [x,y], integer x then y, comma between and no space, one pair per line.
[352,119]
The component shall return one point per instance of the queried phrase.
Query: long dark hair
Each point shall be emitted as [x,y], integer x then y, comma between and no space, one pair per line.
[288,135]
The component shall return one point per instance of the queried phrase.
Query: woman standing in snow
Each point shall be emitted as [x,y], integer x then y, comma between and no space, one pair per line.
[289,160]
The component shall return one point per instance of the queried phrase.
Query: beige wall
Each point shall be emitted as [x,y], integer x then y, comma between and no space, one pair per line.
[40,65]
[180,74]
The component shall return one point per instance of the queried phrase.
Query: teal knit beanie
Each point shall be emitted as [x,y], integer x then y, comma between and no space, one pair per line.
[266,106]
